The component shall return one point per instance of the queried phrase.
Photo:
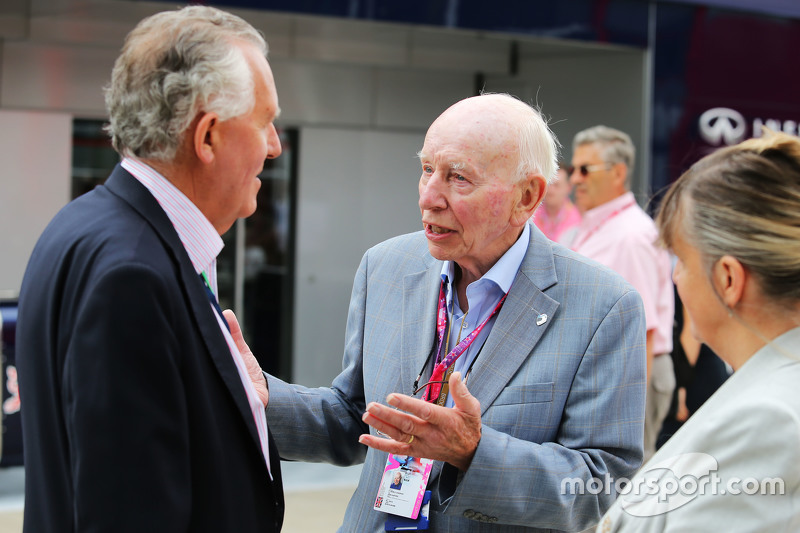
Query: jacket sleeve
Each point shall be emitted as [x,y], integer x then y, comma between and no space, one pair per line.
[323,424]
[743,477]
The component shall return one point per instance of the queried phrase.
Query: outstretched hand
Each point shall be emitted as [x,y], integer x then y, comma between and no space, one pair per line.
[250,361]
[422,429]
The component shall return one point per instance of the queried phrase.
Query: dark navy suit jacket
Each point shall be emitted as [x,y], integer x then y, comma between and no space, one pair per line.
[134,416]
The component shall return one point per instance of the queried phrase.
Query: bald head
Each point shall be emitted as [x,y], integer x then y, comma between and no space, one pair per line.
[511,127]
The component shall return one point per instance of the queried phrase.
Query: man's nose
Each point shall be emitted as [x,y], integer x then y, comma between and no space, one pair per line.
[575,177]
[431,193]
[274,147]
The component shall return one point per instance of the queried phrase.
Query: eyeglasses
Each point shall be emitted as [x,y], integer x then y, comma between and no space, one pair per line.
[585,170]
[422,387]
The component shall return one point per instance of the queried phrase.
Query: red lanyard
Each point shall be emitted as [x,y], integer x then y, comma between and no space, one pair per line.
[585,237]
[434,389]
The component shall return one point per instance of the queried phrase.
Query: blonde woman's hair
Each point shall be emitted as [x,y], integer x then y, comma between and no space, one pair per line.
[743,201]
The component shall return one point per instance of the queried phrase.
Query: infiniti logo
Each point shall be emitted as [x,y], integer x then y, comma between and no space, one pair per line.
[722,124]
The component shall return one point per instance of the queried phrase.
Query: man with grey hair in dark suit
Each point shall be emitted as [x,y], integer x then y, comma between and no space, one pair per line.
[139,413]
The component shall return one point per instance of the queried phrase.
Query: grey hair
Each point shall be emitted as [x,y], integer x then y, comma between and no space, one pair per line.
[174,65]
[615,145]
[743,201]
[538,147]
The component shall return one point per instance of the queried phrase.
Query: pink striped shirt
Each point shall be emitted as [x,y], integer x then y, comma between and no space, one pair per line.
[554,226]
[620,235]
[203,244]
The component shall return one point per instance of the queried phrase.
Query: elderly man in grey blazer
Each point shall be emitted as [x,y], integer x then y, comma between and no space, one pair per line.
[536,354]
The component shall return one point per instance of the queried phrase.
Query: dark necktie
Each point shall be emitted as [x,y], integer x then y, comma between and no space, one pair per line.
[214,300]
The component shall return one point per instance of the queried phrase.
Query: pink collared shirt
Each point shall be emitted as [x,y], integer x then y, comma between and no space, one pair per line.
[554,226]
[620,235]
[203,244]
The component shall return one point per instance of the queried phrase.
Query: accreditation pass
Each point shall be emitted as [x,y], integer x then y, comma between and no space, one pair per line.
[402,486]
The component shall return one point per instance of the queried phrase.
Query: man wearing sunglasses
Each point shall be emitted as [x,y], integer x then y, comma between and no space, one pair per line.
[615,231]
[546,350]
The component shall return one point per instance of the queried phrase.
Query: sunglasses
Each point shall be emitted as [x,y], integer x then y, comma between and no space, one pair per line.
[585,170]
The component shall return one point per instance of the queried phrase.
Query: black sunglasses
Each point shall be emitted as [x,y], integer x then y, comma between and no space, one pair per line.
[585,170]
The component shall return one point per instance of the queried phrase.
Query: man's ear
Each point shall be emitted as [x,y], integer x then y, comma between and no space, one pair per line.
[729,276]
[205,137]
[620,178]
[532,189]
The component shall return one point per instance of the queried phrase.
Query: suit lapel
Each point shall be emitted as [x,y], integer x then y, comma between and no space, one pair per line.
[128,188]
[515,332]
[420,297]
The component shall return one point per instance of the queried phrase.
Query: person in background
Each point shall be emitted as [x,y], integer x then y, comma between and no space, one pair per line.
[616,232]
[551,346]
[557,213]
[698,374]
[733,221]
[140,413]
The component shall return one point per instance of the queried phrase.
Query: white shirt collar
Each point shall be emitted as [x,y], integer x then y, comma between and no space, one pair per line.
[197,234]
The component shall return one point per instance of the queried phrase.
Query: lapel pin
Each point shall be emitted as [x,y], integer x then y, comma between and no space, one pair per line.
[541,319]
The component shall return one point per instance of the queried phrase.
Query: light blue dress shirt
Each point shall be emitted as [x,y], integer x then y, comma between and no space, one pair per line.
[483,295]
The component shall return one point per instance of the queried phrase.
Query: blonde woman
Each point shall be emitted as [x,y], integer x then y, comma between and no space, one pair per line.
[733,221]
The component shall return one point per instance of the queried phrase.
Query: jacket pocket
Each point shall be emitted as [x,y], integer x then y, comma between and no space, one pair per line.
[531,393]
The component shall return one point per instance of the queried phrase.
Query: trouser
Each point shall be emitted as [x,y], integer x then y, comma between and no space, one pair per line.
[657,402]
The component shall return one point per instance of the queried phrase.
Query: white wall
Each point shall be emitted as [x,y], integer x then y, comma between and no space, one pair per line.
[591,89]
[67,78]
[581,89]
[34,184]
[357,188]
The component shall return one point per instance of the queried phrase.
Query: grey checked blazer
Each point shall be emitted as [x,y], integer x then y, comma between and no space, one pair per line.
[561,400]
